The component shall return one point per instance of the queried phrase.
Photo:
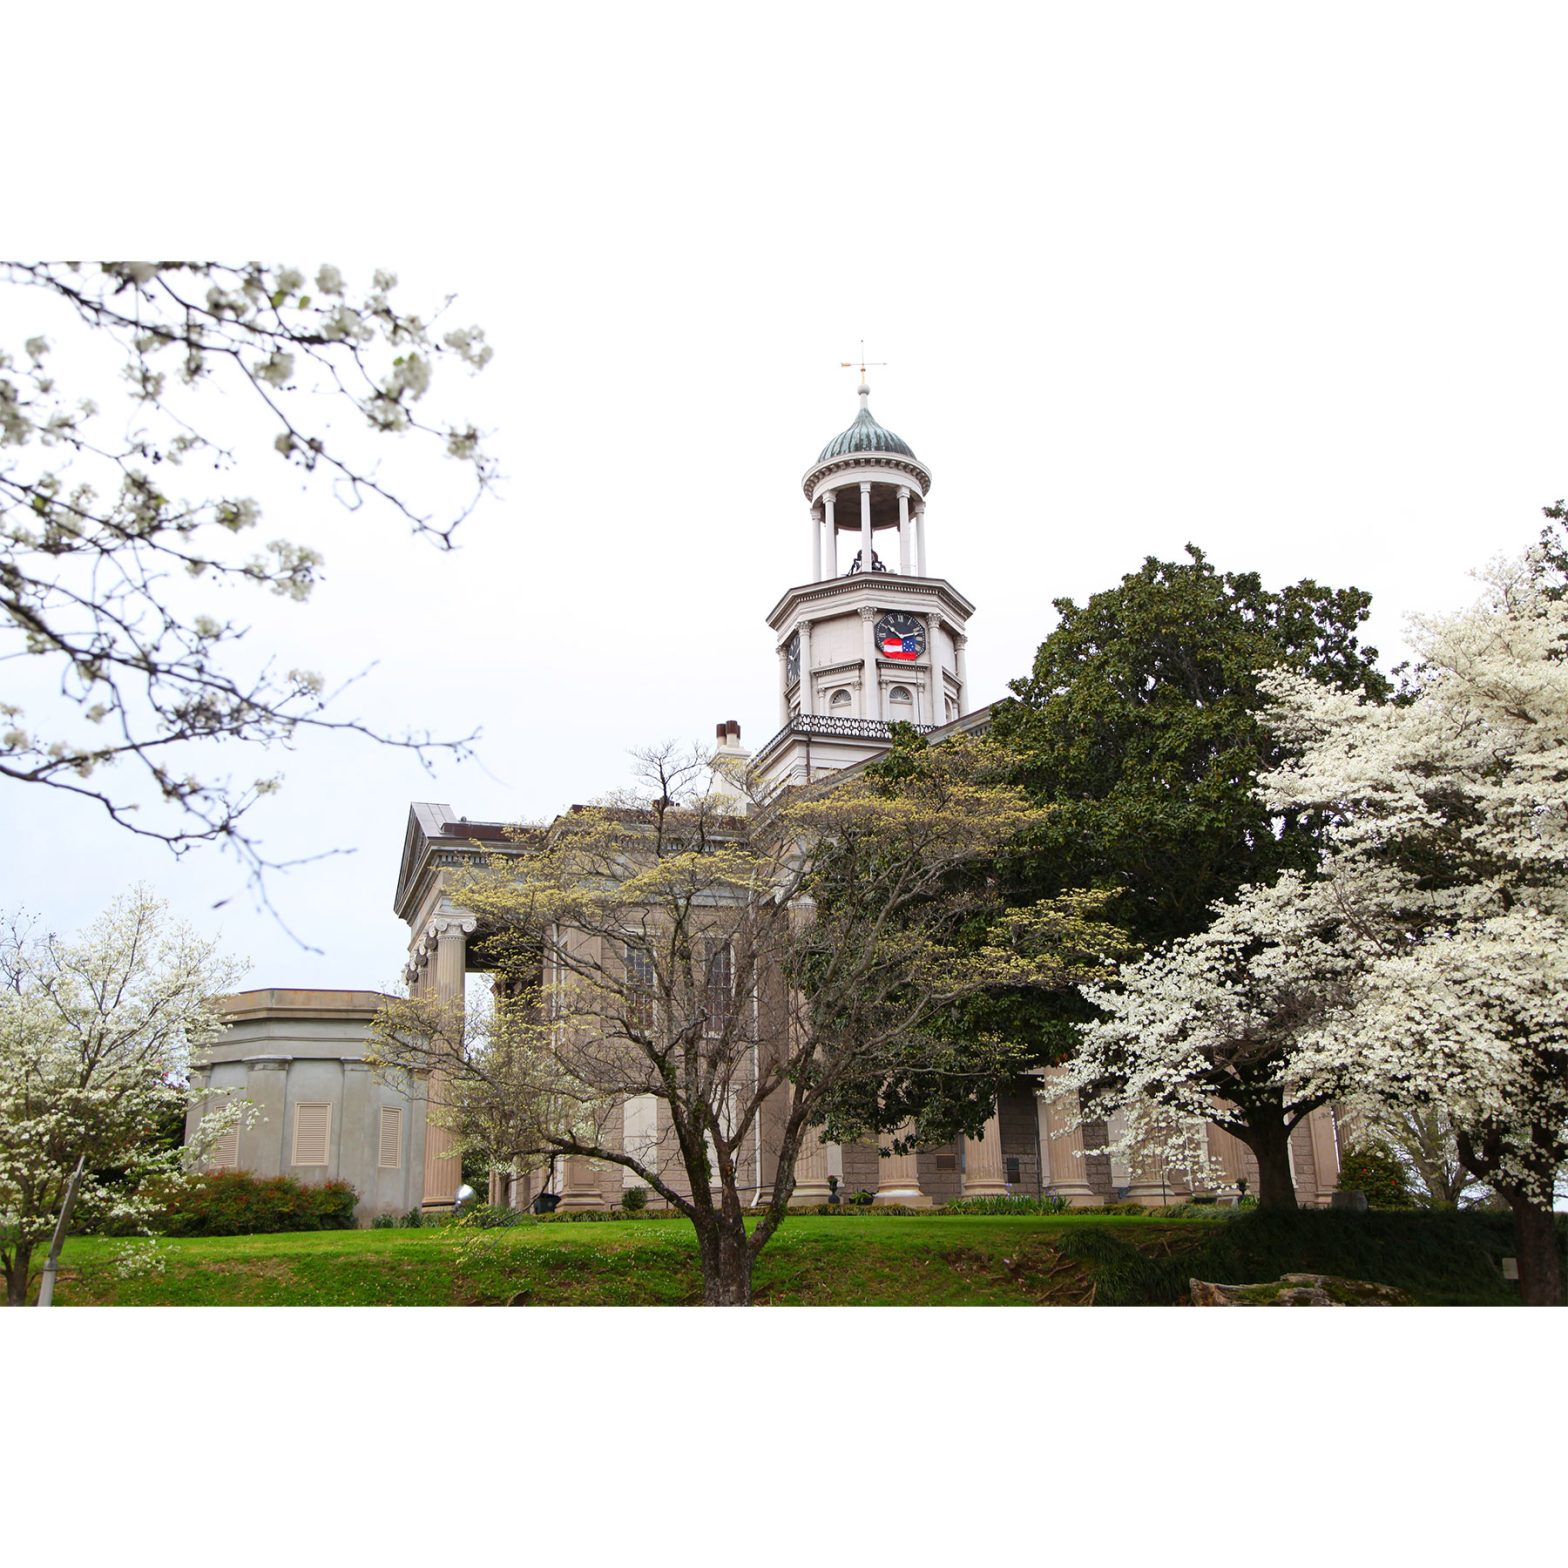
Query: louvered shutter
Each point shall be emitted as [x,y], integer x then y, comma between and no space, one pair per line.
[225,1155]
[389,1156]
[312,1128]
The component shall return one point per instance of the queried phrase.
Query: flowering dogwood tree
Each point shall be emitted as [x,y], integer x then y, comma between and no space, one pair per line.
[95,1040]
[121,531]
[1450,816]
[1209,1030]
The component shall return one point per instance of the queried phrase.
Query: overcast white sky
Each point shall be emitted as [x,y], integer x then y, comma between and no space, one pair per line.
[1288,284]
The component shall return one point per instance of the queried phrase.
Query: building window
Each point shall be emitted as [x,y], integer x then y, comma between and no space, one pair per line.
[952,710]
[1012,1170]
[312,1133]
[839,699]
[639,987]
[901,694]
[389,1147]
[640,1135]
[719,1000]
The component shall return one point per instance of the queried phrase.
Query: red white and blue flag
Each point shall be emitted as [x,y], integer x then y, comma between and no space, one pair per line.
[900,648]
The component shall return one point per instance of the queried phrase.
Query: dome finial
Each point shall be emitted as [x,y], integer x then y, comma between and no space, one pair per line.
[849,364]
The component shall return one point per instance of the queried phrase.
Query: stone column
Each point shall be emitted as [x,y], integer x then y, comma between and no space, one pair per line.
[867,554]
[1325,1153]
[920,539]
[811,1171]
[806,695]
[579,1189]
[784,682]
[1143,1175]
[870,685]
[816,545]
[985,1176]
[264,1145]
[1068,1174]
[898,1178]
[960,668]
[443,1169]
[903,531]
[1233,1158]
[832,532]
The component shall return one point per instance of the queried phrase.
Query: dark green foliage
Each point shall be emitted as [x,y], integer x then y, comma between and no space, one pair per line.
[235,1203]
[1050,1204]
[1375,1171]
[634,1199]
[1141,726]
[1442,1256]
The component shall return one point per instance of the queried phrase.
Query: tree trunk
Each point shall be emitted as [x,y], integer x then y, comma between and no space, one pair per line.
[16,1274]
[726,1263]
[1270,1146]
[1540,1265]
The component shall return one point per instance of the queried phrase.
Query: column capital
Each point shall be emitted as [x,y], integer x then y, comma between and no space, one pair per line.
[450,925]
[865,487]
[869,612]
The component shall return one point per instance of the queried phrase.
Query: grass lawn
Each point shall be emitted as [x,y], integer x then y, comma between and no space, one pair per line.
[967,1260]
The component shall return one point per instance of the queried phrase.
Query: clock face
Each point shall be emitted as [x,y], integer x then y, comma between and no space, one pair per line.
[792,657]
[900,637]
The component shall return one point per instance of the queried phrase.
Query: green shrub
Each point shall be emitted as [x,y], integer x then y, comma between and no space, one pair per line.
[1051,1203]
[1375,1171]
[634,1199]
[386,1222]
[862,1199]
[235,1203]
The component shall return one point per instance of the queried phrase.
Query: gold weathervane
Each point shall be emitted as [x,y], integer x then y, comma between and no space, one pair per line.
[865,364]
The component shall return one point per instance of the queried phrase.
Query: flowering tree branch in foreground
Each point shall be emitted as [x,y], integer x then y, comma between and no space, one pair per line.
[119,533]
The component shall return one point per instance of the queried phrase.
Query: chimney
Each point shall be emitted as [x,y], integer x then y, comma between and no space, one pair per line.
[729,765]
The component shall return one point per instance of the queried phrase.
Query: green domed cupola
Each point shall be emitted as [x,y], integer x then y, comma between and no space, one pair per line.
[865,435]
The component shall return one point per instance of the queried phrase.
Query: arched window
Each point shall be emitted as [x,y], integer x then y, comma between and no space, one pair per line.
[901,694]
[839,699]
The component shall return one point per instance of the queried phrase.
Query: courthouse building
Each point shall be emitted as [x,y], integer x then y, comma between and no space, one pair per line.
[872,638]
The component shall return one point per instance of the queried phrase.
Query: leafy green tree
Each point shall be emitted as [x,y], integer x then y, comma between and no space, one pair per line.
[1141,729]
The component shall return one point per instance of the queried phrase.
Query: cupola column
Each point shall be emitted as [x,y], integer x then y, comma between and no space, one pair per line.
[961,668]
[832,532]
[870,689]
[816,544]
[784,683]
[867,555]
[805,695]
[903,532]
[920,539]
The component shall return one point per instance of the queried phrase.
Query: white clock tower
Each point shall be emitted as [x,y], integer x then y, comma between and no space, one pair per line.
[876,641]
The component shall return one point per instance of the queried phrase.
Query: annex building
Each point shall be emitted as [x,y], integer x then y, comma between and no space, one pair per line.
[873,637]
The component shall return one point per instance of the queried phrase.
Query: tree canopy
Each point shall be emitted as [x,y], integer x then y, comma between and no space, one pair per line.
[754,974]
[1142,727]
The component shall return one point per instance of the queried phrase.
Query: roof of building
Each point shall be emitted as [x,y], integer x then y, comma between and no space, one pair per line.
[865,435]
